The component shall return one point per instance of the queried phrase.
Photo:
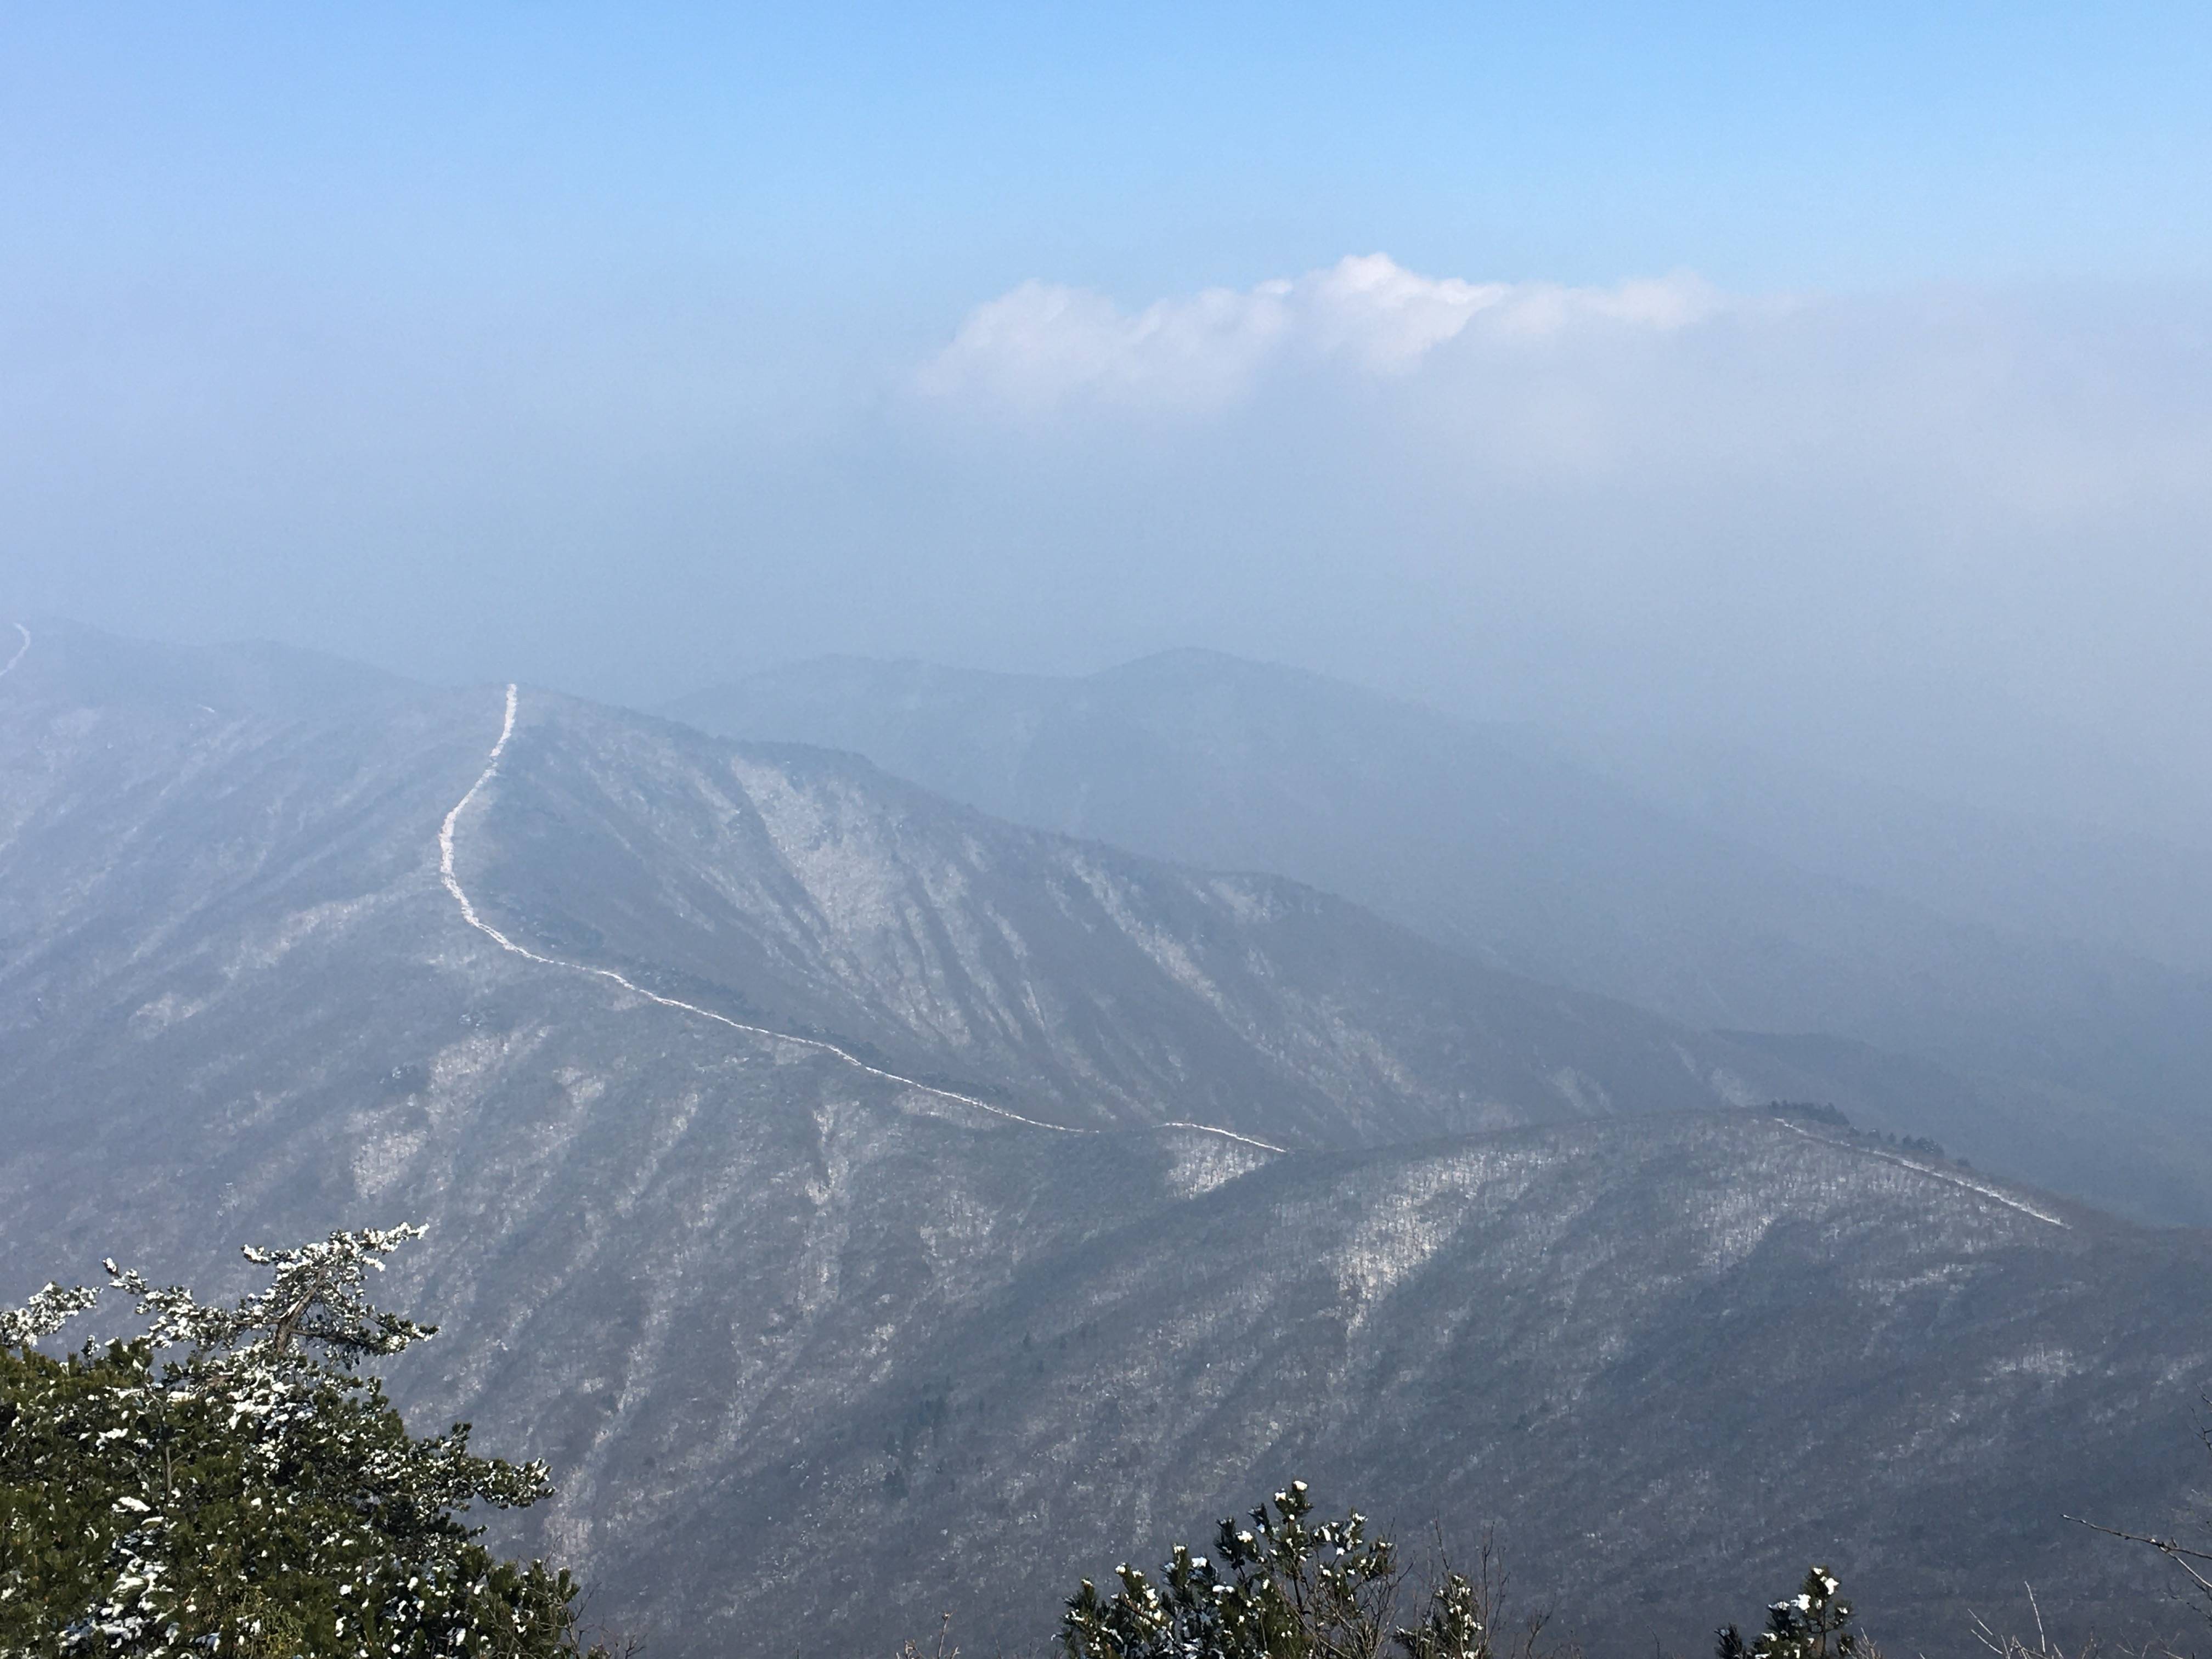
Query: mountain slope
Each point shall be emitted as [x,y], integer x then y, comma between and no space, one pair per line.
[791,1329]
[809,892]
[2094,1064]
[800,889]
[1669,1358]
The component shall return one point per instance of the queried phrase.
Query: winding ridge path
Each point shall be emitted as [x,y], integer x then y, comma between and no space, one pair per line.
[445,873]
[1981,1188]
[19,650]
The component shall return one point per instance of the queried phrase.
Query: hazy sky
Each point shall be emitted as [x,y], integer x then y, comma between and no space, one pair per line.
[1837,375]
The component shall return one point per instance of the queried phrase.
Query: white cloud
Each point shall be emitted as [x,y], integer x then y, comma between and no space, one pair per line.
[1042,344]
[1751,510]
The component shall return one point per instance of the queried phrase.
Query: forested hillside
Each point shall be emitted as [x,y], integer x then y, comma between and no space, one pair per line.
[819,1172]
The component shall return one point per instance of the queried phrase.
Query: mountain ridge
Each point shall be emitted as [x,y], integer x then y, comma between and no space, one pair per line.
[1525,859]
[764,1309]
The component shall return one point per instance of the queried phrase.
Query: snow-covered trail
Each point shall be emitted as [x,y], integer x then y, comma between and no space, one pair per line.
[445,873]
[19,650]
[1984,1190]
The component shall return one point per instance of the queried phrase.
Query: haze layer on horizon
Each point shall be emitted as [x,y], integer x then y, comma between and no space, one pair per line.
[1832,385]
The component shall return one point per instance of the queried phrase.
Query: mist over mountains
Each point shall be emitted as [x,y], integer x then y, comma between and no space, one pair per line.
[978,778]
[2018,871]
[824,1170]
[1500,845]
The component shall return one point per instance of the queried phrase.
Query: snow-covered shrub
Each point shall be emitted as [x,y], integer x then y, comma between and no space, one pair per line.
[226,1483]
[1286,1588]
[1813,1624]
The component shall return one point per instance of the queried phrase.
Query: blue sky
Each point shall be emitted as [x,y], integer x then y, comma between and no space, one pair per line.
[890,157]
[624,347]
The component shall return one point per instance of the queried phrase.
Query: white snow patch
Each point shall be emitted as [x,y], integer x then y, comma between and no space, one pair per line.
[1246,900]
[2052,1364]
[1583,1093]
[265,953]
[1165,951]
[165,1011]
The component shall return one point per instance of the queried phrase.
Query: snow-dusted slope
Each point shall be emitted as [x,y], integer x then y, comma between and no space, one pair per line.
[786,1324]
[1671,1359]
[807,892]
[158,848]
[2077,1066]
